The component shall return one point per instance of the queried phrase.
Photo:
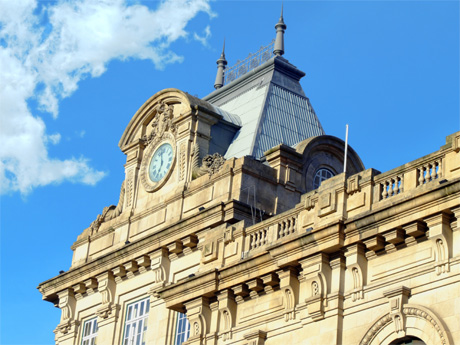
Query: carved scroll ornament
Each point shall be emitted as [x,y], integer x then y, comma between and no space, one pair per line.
[109,212]
[210,164]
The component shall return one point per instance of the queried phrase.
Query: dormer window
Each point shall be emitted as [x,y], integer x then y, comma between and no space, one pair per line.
[321,175]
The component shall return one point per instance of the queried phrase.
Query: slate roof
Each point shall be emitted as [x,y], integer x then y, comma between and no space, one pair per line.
[272,107]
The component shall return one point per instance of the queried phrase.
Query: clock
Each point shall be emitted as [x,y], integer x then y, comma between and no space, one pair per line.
[158,163]
[161,162]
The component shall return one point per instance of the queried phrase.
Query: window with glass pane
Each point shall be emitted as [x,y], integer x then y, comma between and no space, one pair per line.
[89,332]
[321,175]
[182,329]
[136,322]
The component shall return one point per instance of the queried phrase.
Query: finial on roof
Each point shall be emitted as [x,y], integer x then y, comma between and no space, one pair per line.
[221,63]
[279,42]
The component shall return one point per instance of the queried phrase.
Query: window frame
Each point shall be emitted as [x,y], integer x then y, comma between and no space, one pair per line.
[320,177]
[91,338]
[130,333]
[181,336]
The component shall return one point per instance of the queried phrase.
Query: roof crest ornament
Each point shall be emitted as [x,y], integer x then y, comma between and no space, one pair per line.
[279,42]
[221,63]
[252,61]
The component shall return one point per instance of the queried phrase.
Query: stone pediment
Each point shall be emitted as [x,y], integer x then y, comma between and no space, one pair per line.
[177,102]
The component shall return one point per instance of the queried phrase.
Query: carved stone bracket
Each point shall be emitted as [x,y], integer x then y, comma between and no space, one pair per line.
[108,311]
[440,234]
[69,327]
[357,268]
[67,302]
[255,338]
[289,285]
[397,298]
[199,315]
[159,264]
[106,287]
[227,311]
[316,269]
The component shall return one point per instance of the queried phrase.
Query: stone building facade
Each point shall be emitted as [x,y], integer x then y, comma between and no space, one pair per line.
[237,225]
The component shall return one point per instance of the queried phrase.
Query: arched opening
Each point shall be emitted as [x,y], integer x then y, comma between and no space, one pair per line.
[408,341]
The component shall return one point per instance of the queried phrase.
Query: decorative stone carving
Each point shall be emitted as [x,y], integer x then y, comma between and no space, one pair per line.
[210,164]
[182,161]
[67,304]
[353,184]
[440,234]
[162,122]
[357,267]
[109,212]
[227,310]
[316,271]
[255,338]
[311,200]
[159,264]
[106,287]
[427,325]
[130,188]
[289,285]
[209,252]
[199,315]
[397,298]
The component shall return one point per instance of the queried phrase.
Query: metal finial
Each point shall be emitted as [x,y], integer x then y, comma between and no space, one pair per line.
[223,51]
[279,42]
[221,63]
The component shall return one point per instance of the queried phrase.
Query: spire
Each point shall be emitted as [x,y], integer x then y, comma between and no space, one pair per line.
[279,42]
[221,63]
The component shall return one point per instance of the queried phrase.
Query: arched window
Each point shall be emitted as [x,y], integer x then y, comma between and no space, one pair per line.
[407,341]
[321,175]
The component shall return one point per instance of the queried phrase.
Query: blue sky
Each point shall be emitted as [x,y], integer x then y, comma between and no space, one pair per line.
[73,73]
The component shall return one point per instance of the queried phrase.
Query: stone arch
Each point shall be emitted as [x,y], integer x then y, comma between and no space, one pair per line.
[420,322]
[182,102]
[325,152]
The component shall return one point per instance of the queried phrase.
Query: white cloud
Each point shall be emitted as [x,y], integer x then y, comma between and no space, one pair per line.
[45,52]
[203,39]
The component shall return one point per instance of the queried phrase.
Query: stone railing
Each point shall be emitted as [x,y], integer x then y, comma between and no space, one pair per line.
[270,230]
[391,186]
[258,238]
[429,171]
[286,227]
[409,176]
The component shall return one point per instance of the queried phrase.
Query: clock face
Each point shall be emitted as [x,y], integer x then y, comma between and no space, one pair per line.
[161,162]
